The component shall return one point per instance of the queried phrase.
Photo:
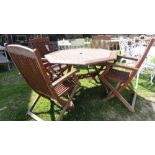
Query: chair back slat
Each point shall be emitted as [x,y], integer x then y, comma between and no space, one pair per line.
[27,63]
[42,44]
[101,41]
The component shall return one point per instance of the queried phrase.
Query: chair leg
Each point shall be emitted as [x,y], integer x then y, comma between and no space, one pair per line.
[8,66]
[137,79]
[93,77]
[30,113]
[34,103]
[151,80]
[134,96]
[134,100]
[153,77]
[63,111]
[35,117]
[69,68]
[68,103]
[116,93]
[130,87]
[110,96]
[117,86]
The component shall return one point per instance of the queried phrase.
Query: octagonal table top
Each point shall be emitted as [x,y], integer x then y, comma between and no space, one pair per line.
[81,56]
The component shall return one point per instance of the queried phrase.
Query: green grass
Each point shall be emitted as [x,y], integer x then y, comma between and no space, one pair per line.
[16,96]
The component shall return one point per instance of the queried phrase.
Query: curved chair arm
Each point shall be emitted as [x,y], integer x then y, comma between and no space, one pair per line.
[44,60]
[127,57]
[48,64]
[122,66]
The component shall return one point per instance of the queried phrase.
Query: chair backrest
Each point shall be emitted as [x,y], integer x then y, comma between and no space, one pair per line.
[63,44]
[77,43]
[29,64]
[101,41]
[42,44]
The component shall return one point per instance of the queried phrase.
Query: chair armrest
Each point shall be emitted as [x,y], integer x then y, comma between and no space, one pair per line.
[122,66]
[46,63]
[63,78]
[44,60]
[127,57]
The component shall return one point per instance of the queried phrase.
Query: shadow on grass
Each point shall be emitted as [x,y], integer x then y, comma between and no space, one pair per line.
[89,106]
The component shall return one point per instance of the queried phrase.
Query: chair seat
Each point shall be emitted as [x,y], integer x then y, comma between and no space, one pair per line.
[117,75]
[64,87]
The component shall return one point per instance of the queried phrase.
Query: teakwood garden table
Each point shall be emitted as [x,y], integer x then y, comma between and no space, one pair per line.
[82,56]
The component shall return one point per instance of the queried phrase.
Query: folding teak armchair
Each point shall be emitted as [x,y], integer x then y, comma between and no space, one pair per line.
[101,41]
[44,47]
[29,63]
[123,78]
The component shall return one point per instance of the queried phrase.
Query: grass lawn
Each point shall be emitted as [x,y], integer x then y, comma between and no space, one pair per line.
[16,96]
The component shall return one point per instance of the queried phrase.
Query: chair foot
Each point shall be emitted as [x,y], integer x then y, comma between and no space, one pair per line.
[32,115]
[64,110]
[116,93]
